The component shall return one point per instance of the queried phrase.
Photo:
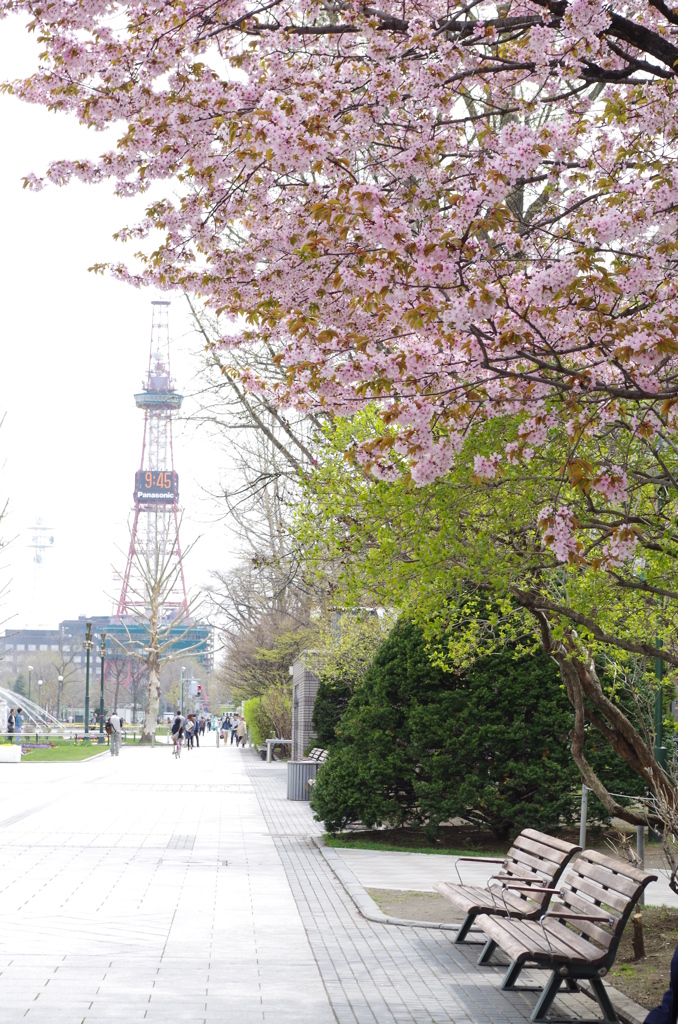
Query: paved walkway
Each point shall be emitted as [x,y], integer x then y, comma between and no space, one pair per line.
[417,872]
[141,888]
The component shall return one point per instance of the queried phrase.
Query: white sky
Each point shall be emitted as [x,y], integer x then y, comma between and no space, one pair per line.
[74,349]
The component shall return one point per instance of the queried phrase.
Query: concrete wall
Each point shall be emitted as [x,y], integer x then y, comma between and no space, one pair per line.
[304,689]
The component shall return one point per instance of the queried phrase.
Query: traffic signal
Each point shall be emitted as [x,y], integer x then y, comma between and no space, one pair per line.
[199,690]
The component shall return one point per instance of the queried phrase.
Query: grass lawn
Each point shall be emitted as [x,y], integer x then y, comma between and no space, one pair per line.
[344,843]
[456,840]
[65,752]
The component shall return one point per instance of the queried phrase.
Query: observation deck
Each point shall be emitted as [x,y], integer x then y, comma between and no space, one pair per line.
[158,400]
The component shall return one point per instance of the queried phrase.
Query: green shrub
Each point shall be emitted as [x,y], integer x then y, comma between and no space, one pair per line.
[257,721]
[331,701]
[418,746]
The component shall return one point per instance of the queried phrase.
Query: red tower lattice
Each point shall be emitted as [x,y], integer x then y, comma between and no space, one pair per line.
[155,529]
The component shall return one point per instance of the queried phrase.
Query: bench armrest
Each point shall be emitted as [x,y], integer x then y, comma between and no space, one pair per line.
[527,882]
[528,888]
[484,860]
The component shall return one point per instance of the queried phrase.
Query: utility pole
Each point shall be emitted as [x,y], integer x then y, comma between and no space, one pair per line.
[659,748]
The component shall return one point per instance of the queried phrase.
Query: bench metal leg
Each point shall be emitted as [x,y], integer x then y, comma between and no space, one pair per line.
[548,995]
[488,950]
[512,975]
[465,929]
[603,1001]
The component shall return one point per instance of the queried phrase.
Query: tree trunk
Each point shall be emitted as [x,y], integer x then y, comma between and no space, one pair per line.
[638,941]
[153,702]
[582,683]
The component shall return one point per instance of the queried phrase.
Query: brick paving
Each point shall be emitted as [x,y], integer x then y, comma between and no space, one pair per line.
[374,973]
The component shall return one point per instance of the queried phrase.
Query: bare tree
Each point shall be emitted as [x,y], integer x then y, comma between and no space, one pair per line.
[151,591]
[66,664]
[126,673]
[263,604]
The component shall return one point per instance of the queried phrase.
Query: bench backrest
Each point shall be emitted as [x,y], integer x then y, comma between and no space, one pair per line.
[593,881]
[318,754]
[536,857]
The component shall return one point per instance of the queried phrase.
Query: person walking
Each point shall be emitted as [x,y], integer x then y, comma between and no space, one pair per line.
[241,729]
[18,724]
[196,730]
[234,730]
[189,729]
[203,723]
[116,732]
[10,722]
[178,728]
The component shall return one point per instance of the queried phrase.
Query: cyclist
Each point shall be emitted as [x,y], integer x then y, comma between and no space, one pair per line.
[178,729]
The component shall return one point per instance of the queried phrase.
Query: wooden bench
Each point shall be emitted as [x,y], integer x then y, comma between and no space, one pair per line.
[318,754]
[535,859]
[578,936]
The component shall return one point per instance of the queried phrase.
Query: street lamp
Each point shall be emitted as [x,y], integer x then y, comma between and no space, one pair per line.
[30,676]
[39,693]
[60,680]
[102,655]
[182,690]
[88,644]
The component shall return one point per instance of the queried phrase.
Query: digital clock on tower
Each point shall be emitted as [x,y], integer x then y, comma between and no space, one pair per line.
[157,485]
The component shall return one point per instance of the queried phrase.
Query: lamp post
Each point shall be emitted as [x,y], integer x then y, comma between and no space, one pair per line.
[88,644]
[182,690]
[39,693]
[102,655]
[60,681]
[30,676]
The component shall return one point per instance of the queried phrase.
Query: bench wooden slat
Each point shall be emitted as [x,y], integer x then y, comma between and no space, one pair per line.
[580,903]
[606,878]
[513,936]
[478,897]
[542,867]
[551,841]
[589,929]
[525,941]
[616,866]
[539,850]
[612,899]
[580,946]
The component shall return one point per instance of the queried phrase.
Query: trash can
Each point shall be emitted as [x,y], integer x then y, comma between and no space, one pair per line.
[298,774]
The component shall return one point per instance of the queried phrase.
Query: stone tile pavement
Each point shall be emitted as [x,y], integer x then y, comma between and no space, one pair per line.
[145,889]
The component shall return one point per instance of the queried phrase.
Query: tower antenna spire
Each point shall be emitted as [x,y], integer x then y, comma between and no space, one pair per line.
[155,527]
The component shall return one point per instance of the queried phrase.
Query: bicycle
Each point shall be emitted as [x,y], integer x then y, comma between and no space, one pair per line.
[176,740]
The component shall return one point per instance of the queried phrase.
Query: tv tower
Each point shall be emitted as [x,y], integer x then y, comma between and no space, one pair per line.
[155,531]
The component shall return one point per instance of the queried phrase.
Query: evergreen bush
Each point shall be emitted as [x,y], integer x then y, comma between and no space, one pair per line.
[418,746]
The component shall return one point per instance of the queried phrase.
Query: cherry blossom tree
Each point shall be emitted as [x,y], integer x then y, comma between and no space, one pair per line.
[462,212]
[459,210]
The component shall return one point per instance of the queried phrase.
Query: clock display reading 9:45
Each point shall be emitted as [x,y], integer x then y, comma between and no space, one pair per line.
[157,485]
